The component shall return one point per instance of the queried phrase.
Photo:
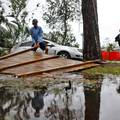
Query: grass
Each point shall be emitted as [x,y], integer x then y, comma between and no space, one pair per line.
[109,68]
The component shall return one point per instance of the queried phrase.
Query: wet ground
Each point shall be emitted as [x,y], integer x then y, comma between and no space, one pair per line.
[74,97]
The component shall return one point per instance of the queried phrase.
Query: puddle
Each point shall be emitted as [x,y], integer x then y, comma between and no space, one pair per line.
[94,98]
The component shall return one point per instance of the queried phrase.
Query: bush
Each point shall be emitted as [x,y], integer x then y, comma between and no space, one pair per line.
[3,51]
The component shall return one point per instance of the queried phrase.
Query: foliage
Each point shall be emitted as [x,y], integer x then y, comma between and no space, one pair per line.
[14,30]
[3,51]
[5,29]
[19,14]
[110,47]
[58,16]
[57,37]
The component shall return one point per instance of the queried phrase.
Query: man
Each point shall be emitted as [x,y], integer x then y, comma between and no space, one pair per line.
[37,36]
[117,38]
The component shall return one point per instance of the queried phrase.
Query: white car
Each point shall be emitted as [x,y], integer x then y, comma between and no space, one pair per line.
[53,49]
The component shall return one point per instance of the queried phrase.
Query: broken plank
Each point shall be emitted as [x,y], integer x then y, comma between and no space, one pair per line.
[55,69]
[28,62]
[13,54]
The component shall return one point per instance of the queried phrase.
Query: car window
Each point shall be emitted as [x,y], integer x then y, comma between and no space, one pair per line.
[51,43]
[29,43]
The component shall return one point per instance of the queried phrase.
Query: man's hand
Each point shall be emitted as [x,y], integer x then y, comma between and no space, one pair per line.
[36,45]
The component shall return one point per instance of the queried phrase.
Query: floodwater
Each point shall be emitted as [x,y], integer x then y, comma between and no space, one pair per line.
[90,98]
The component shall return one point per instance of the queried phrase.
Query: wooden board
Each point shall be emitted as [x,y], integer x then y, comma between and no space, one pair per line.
[23,58]
[30,63]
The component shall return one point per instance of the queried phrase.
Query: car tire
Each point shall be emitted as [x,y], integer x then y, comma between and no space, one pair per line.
[64,54]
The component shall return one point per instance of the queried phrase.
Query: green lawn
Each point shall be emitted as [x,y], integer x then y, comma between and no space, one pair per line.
[109,68]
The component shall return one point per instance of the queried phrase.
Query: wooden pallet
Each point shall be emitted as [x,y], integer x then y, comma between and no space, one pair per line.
[29,63]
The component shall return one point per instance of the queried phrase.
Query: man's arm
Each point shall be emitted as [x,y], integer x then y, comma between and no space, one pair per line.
[40,36]
[31,33]
[117,38]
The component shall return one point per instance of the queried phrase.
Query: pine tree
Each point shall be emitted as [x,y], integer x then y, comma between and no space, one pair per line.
[91,44]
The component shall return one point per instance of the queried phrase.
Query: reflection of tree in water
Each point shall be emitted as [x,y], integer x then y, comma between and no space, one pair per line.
[21,107]
[18,105]
[12,99]
[92,89]
[36,102]
[6,98]
[54,112]
[15,103]
[60,107]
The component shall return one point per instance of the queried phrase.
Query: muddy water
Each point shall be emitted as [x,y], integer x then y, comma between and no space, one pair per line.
[84,98]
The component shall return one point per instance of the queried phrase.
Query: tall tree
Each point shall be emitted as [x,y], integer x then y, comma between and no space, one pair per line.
[5,29]
[19,13]
[91,43]
[58,16]
[13,30]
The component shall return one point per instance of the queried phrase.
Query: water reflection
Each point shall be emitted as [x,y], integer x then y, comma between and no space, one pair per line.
[38,102]
[66,105]
[97,98]
[92,89]
[54,104]
[110,99]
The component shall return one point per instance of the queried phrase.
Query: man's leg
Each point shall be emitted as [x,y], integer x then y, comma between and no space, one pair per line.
[34,45]
[43,46]
[46,50]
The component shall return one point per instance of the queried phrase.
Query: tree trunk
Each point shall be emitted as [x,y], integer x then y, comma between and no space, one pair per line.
[65,22]
[91,43]
[92,103]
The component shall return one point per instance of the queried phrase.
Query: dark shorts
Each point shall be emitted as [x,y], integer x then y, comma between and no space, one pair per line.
[42,46]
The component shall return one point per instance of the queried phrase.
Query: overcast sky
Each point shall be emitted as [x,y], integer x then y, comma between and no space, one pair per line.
[108,19]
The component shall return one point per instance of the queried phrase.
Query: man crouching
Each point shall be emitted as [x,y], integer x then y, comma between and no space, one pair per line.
[37,36]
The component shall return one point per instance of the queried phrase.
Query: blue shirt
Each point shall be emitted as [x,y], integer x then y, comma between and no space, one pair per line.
[37,34]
